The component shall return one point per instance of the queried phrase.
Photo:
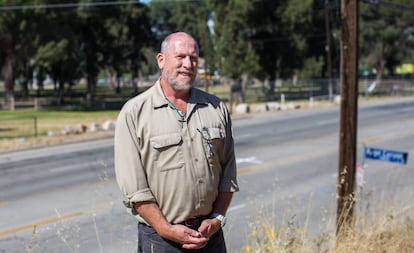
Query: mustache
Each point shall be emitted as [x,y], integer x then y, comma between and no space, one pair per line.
[183,71]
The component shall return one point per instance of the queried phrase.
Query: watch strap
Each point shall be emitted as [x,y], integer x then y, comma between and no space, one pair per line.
[220,217]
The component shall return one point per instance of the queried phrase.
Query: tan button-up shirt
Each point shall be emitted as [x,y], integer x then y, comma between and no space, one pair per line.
[181,164]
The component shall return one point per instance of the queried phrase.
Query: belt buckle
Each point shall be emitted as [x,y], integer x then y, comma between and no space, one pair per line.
[194,222]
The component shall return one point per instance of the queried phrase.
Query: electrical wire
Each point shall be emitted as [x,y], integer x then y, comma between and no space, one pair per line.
[83,4]
[64,5]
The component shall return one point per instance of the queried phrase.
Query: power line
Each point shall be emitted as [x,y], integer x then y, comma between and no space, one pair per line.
[65,5]
[93,4]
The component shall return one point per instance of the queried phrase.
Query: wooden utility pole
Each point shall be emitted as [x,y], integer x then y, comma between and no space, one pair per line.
[348,116]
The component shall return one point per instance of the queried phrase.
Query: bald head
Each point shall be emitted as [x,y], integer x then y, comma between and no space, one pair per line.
[176,36]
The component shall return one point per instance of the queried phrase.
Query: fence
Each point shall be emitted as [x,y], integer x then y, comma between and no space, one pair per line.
[312,90]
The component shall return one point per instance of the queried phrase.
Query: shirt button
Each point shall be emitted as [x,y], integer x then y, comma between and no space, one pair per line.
[196,160]
[192,139]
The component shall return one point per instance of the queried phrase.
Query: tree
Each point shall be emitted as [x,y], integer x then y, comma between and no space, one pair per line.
[60,59]
[232,38]
[188,16]
[284,42]
[138,40]
[234,47]
[386,35]
[19,37]
[91,33]
[59,52]
[113,38]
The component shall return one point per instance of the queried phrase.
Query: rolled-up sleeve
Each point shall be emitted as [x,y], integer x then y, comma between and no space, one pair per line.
[129,171]
[228,180]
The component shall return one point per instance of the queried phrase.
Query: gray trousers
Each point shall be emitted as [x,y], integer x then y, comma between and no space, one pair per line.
[150,242]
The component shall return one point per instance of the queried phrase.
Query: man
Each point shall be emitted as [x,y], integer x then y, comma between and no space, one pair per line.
[174,157]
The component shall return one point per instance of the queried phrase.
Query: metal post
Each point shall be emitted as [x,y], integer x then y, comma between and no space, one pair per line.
[348,116]
[35,125]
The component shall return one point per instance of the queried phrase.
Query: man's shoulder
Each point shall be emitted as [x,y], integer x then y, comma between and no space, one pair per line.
[203,96]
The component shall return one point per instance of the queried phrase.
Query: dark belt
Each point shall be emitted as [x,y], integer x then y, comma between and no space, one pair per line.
[194,222]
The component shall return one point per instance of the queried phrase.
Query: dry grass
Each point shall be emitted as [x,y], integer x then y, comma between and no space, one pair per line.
[381,226]
[388,234]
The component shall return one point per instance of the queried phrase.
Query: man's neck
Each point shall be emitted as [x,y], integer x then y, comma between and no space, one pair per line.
[174,95]
[178,98]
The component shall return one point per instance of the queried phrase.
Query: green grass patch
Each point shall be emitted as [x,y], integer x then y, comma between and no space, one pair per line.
[26,123]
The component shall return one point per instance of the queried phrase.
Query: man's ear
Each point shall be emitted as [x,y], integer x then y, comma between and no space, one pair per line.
[160,60]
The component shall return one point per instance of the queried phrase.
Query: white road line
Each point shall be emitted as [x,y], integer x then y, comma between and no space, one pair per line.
[251,159]
[233,208]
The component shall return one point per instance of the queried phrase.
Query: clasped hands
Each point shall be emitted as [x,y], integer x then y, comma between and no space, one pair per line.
[193,239]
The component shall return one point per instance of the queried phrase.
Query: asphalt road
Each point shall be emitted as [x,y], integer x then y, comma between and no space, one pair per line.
[65,199]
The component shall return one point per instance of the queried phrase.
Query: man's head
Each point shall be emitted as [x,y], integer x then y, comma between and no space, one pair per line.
[178,61]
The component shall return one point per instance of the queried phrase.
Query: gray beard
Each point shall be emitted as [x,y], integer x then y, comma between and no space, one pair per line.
[179,87]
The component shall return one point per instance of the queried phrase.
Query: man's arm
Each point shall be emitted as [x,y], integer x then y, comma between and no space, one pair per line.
[222,202]
[189,238]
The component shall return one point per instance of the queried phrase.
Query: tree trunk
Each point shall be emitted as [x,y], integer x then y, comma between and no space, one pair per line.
[8,70]
[244,81]
[27,78]
[91,88]
[381,65]
[112,76]
[271,91]
[61,92]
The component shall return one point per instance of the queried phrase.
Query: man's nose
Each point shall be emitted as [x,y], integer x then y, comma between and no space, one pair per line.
[187,63]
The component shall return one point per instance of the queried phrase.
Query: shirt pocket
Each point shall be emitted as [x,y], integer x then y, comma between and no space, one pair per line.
[213,142]
[168,154]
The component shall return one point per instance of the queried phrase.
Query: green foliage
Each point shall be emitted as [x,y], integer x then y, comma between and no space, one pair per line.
[187,16]
[264,39]
[19,37]
[386,35]
[312,68]
[232,38]
[298,14]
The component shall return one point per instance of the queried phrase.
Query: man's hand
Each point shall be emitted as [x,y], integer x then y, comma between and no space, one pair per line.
[189,238]
[209,227]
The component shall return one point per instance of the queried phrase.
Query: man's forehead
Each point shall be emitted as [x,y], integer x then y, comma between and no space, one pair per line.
[181,46]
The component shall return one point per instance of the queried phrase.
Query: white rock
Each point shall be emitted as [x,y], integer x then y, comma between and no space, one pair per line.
[261,108]
[52,133]
[81,128]
[242,108]
[68,130]
[108,125]
[95,127]
[273,106]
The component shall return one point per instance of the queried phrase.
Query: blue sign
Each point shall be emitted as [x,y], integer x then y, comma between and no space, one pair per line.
[386,155]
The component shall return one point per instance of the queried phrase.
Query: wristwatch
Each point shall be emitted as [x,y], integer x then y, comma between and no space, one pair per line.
[220,217]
